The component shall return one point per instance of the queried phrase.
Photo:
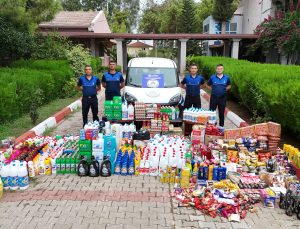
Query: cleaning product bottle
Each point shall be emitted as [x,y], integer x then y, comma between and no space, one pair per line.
[216,173]
[58,164]
[105,168]
[124,168]
[118,163]
[48,167]
[23,180]
[131,164]
[31,169]
[1,189]
[5,176]
[83,167]
[124,111]
[210,172]
[94,168]
[73,165]
[137,161]
[130,112]
[13,177]
[53,166]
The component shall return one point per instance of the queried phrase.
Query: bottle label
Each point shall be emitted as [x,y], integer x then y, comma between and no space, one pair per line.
[13,181]
[5,181]
[23,181]
[58,168]
[73,169]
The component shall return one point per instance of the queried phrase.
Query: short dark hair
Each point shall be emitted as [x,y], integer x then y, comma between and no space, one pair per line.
[193,65]
[220,65]
[88,66]
[112,62]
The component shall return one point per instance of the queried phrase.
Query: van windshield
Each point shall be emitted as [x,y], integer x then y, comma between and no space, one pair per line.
[152,77]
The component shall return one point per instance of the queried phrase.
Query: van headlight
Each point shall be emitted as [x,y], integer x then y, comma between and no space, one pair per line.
[130,98]
[175,99]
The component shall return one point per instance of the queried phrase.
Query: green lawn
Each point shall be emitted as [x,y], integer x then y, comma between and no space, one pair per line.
[21,125]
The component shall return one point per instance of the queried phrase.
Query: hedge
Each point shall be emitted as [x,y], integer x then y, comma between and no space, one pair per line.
[270,88]
[18,83]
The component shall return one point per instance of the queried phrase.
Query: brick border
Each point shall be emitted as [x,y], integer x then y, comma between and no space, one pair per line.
[50,122]
[233,117]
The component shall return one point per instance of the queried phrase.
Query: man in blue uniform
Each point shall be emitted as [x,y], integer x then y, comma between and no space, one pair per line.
[89,85]
[112,81]
[192,83]
[219,84]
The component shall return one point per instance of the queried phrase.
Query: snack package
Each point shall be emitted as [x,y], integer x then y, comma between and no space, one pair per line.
[232,134]
[248,131]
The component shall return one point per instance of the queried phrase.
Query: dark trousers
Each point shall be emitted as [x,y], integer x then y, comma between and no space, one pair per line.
[87,103]
[110,97]
[190,101]
[220,103]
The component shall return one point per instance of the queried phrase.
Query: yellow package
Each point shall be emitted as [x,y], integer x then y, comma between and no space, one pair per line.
[1,188]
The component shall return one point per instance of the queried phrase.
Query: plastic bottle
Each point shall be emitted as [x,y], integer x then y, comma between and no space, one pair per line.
[83,167]
[23,180]
[130,112]
[5,176]
[1,189]
[105,168]
[124,168]
[41,165]
[13,177]
[58,165]
[98,144]
[94,168]
[48,167]
[53,166]
[124,111]
[131,163]
[31,169]
[118,163]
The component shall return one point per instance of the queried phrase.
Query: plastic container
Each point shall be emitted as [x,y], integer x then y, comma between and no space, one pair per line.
[13,177]
[130,112]
[23,180]
[31,169]
[48,167]
[98,144]
[124,111]
[1,189]
[5,176]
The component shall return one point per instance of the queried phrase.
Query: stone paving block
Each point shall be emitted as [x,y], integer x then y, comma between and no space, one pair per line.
[226,225]
[74,220]
[190,224]
[210,225]
[60,226]
[117,215]
[97,226]
[142,222]
[124,221]
[27,225]
[107,221]
[90,220]
[161,222]
[197,218]
[44,226]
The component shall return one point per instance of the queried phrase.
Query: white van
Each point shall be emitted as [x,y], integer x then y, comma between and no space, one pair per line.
[152,80]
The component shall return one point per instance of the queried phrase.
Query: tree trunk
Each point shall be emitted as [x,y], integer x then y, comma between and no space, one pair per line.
[223,31]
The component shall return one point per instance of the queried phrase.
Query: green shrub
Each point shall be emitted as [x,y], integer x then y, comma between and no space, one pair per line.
[269,89]
[96,64]
[78,57]
[19,83]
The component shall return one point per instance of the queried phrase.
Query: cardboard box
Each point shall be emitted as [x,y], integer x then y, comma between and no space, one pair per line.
[274,129]
[261,129]
[209,138]
[248,131]
[232,133]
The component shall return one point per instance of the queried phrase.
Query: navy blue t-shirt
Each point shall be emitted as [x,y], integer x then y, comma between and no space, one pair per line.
[113,83]
[89,87]
[219,85]
[193,84]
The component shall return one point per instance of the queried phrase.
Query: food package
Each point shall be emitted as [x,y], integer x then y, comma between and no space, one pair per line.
[232,133]
[248,131]
[274,129]
[261,129]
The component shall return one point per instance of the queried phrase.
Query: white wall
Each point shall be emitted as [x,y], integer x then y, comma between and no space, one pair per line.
[254,13]
[99,24]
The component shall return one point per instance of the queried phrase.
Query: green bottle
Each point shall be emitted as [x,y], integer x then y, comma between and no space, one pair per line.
[68,165]
[58,162]
[73,165]
[63,165]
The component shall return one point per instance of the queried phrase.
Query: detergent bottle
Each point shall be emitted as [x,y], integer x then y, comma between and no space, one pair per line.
[130,112]
[48,167]
[5,176]
[83,167]
[131,163]
[1,189]
[13,177]
[94,168]
[105,168]
[118,163]
[31,169]
[23,180]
